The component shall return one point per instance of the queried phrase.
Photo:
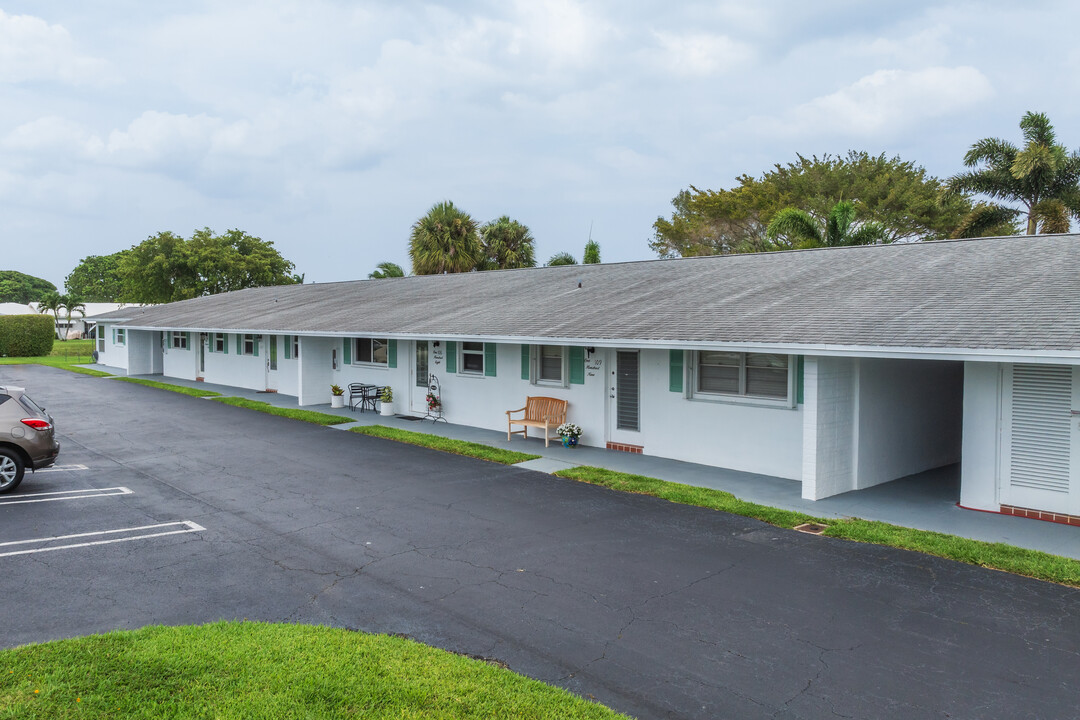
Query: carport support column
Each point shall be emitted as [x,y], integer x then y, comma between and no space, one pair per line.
[830,424]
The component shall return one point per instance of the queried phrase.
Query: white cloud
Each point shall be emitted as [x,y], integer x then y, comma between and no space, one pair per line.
[33,50]
[700,54]
[885,102]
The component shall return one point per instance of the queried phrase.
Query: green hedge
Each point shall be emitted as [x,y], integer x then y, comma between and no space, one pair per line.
[26,335]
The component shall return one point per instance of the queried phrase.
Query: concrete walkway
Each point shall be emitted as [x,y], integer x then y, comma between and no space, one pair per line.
[926,501]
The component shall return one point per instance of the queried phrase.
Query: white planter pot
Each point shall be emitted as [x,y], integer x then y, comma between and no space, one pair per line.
[386,408]
[337,401]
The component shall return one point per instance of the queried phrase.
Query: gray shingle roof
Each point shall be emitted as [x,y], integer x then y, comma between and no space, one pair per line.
[1014,293]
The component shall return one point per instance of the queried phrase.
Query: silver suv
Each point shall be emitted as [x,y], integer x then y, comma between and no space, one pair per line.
[27,437]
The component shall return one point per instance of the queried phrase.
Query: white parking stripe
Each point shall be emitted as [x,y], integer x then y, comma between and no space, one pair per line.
[64,495]
[188,527]
[61,468]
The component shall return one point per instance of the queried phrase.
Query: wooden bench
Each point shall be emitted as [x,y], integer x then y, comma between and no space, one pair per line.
[542,412]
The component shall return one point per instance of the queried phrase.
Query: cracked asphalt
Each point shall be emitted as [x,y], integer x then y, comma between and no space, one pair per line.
[655,609]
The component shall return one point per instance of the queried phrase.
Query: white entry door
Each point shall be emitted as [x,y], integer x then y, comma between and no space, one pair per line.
[271,362]
[1040,446]
[624,397]
[418,377]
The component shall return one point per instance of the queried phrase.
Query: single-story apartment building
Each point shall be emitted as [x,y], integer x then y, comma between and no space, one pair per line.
[839,368]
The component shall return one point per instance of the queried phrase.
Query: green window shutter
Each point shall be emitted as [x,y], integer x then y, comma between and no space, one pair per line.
[451,356]
[675,371]
[577,365]
[799,381]
[224,343]
[489,359]
[239,344]
[255,345]
[187,341]
[525,374]
[391,353]
[346,350]
[288,347]
[114,336]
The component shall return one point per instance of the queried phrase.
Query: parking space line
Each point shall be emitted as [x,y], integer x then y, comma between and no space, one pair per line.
[61,468]
[187,527]
[65,495]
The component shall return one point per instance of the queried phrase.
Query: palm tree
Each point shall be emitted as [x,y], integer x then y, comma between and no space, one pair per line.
[794,229]
[507,244]
[71,303]
[386,270]
[52,302]
[562,258]
[1042,176]
[444,240]
[592,253]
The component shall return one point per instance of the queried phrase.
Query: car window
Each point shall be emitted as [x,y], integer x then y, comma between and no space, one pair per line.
[4,398]
[31,405]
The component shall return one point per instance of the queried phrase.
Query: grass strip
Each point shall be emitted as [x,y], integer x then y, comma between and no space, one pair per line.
[311,416]
[263,670]
[182,389]
[998,556]
[437,442]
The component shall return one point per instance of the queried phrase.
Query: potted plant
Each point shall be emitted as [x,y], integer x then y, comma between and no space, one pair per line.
[386,401]
[569,432]
[337,396]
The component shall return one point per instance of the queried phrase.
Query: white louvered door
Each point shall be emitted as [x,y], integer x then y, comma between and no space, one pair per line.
[1041,442]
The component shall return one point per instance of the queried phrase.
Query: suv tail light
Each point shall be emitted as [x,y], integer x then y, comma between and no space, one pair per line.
[36,423]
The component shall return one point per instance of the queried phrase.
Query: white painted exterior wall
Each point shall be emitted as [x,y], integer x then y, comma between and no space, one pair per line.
[115,355]
[830,422]
[981,436]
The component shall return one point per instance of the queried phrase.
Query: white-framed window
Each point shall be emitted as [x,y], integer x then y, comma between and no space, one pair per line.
[121,336]
[296,346]
[755,376]
[472,358]
[550,364]
[99,332]
[179,340]
[249,345]
[218,345]
[370,351]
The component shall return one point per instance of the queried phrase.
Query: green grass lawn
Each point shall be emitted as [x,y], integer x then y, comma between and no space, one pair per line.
[259,670]
[998,556]
[66,355]
[311,416]
[437,442]
[182,389]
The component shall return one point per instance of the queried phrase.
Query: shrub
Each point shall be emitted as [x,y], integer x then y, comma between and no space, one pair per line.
[26,335]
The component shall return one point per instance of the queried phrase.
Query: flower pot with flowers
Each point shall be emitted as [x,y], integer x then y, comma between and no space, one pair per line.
[569,432]
[386,401]
[337,396]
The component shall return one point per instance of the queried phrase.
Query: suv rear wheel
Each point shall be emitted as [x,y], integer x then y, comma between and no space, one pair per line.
[11,470]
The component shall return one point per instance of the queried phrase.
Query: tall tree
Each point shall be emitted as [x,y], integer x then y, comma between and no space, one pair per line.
[895,193]
[561,258]
[52,302]
[71,304]
[166,267]
[1042,177]
[592,253]
[386,270]
[506,244]
[445,239]
[97,278]
[21,288]
[794,229]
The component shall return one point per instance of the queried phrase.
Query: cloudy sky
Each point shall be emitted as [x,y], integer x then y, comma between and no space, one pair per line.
[329,127]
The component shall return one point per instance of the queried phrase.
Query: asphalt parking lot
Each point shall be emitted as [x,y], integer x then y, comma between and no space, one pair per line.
[169,509]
